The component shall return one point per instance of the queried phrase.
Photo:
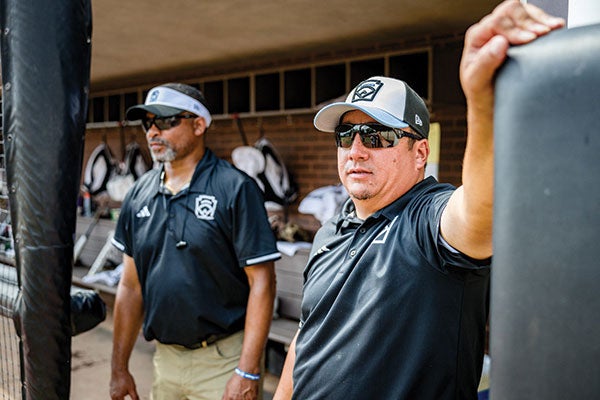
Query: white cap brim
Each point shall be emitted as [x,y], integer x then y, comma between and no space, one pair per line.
[329,116]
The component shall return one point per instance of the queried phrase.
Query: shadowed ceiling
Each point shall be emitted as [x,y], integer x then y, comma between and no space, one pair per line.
[133,41]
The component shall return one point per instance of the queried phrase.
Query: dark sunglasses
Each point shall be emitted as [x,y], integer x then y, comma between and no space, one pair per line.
[372,136]
[164,123]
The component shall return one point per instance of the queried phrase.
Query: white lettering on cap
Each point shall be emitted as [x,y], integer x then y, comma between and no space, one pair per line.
[165,96]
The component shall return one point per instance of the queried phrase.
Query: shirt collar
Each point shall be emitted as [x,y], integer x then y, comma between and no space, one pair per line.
[206,163]
[347,216]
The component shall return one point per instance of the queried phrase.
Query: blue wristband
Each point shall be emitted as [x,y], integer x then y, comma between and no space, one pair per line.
[247,375]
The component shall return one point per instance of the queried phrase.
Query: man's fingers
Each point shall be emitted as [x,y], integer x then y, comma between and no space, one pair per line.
[543,18]
[521,23]
[480,68]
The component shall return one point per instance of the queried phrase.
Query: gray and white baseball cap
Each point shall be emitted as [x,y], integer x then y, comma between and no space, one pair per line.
[389,101]
[171,99]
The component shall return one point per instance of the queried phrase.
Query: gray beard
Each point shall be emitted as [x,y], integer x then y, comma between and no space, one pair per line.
[167,156]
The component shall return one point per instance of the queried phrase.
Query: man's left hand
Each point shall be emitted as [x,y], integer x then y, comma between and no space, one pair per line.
[239,388]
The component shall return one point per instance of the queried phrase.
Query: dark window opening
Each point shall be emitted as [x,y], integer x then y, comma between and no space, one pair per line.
[297,88]
[330,82]
[238,95]
[129,100]
[213,93]
[98,109]
[267,92]
[361,70]
[90,110]
[413,69]
[114,108]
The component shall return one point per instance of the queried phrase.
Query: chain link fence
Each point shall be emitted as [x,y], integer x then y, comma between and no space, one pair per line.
[10,371]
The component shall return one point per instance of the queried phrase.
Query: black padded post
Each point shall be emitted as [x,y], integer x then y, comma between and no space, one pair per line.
[545,302]
[46,50]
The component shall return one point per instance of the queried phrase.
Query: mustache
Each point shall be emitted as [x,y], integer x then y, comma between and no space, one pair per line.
[158,141]
[354,167]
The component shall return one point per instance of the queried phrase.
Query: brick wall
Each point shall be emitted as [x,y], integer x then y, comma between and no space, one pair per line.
[453,141]
[310,156]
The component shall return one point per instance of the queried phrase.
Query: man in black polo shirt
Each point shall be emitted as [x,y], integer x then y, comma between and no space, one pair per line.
[396,287]
[198,261]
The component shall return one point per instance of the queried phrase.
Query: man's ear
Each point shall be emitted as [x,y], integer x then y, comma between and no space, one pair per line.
[422,152]
[199,126]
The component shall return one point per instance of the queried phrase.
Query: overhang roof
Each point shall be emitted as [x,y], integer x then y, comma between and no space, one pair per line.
[135,41]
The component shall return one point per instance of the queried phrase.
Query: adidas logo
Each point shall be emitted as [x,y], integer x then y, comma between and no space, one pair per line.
[322,250]
[143,213]
[418,120]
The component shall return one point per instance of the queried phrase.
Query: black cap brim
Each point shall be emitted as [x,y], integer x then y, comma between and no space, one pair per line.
[138,112]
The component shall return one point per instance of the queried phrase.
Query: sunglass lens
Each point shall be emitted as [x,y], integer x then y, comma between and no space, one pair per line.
[369,137]
[147,123]
[388,138]
[372,136]
[344,135]
[162,123]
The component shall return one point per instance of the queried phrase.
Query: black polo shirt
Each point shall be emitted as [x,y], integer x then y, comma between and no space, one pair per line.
[388,311]
[201,289]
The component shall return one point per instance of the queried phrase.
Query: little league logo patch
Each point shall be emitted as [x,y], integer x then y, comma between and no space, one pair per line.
[154,95]
[367,90]
[205,207]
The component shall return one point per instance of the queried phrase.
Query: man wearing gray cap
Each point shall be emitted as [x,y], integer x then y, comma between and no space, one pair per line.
[396,287]
[198,261]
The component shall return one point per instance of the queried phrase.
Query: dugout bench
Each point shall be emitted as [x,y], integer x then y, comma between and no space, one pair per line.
[288,270]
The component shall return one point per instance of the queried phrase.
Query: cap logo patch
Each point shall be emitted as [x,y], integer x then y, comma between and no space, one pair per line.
[154,95]
[367,90]
[418,120]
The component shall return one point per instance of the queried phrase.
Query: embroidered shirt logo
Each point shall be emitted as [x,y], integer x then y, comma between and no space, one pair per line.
[322,250]
[143,213]
[206,207]
[418,120]
[382,237]
[367,90]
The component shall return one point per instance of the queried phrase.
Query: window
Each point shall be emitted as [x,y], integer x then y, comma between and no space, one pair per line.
[330,82]
[364,69]
[129,100]
[114,107]
[213,92]
[297,88]
[267,92]
[413,69]
[300,88]
[98,109]
[238,95]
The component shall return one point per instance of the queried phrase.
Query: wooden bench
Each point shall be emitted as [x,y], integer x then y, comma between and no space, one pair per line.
[288,270]
[289,297]
[97,239]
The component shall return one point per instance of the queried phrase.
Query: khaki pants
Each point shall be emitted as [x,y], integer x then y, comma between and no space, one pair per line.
[201,374]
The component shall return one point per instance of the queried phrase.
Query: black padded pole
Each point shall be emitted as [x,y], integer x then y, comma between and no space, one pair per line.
[46,48]
[545,301]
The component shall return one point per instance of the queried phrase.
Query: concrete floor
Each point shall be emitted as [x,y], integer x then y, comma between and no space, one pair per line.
[90,358]
[91,353]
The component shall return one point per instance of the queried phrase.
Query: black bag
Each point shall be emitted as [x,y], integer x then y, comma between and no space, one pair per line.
[87,310]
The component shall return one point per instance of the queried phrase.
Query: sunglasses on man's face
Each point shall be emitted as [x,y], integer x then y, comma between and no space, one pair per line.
[372,136]
[164,123]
